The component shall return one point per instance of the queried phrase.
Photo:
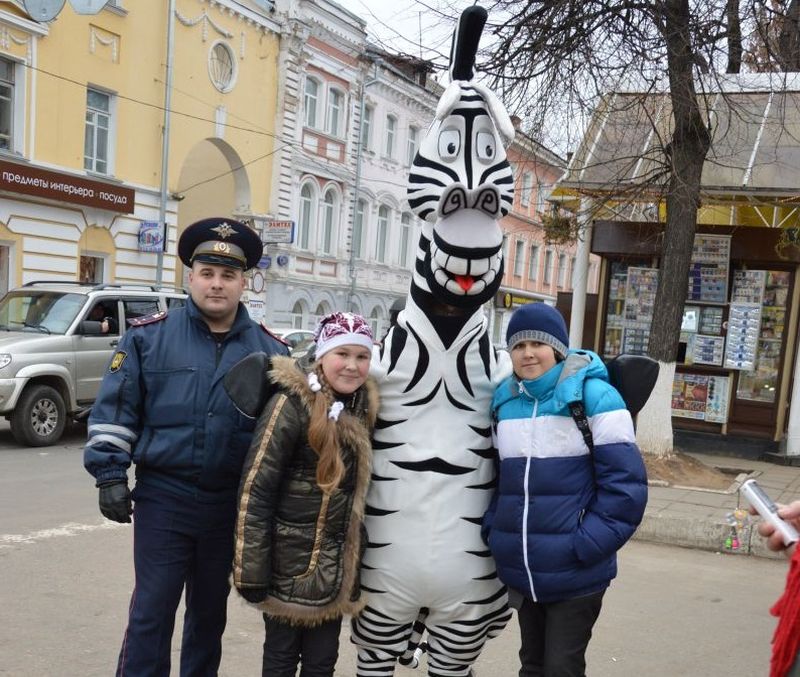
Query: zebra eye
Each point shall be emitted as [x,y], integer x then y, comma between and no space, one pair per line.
[485,145]
[449,144]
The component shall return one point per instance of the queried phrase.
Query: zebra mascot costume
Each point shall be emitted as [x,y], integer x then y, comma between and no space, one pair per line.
[433,464]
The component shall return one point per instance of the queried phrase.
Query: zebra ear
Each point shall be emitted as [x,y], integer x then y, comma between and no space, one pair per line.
[465,42]
[498,111]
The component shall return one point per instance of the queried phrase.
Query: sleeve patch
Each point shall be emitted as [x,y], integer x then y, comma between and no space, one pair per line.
[117,360]
[148,319]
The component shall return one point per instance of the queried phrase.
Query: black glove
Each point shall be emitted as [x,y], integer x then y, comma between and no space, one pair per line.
[254,595]
[115,501]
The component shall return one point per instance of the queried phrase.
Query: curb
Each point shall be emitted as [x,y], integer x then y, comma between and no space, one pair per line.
[702,534]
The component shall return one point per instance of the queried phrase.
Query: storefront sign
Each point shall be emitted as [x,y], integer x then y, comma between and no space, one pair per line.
[508,300]
[65,187]
[151,236]
[276,232]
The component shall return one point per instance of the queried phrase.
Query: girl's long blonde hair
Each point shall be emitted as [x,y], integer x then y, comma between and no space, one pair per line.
[322,437]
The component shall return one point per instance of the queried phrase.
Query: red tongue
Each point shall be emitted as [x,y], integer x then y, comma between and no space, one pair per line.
[465,282]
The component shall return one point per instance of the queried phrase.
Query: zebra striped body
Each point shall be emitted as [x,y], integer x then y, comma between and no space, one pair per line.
[433,461]
[433,477]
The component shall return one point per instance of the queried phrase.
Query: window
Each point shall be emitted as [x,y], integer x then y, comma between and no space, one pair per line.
[139,308]
[322,310]
[91,269]
[391,132]
[527,187]
[6,104]
[411,145]
[533,263]
[335,112]
[222,66]
[358,229]
[299,314]
[366,127]
[519,257]
[572,272]
[381,235]
[306,214]
[562,270]
[548,266]
[541,203]
[310,98]
[405,239]
[96,143]
[328,221]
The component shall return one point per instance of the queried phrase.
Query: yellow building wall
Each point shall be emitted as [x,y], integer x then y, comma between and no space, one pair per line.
[126,55]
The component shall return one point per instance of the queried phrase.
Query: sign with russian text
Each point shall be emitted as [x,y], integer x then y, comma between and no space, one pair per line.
[151,236]
[28,180]
[276,232]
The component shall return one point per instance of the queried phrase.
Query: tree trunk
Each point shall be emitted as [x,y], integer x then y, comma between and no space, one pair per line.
[734,36]
[789,39]
[686,154]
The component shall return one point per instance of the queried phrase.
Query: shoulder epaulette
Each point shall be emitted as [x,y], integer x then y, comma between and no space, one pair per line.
[273,335]
[148,319]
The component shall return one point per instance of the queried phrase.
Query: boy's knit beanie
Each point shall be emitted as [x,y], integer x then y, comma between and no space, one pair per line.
[538,322]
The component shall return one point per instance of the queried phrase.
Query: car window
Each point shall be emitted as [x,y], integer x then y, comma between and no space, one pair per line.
[134,308]
[295,337]
[43,312]
[105,310]
[175,302]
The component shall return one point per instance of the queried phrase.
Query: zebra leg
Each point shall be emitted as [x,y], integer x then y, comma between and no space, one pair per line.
[381,640]
[454,645]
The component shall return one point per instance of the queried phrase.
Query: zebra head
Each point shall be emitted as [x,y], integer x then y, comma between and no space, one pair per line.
[460,186]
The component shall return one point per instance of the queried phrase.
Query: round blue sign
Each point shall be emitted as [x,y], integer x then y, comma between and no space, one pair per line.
[283,259]
[265,262]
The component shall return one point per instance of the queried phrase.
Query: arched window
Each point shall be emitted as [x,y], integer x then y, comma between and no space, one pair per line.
[376,322]
[310,100]
[382,234]
[328,221]
[306,216]
[405,240]
[299,315]
[322,310]
[358,229]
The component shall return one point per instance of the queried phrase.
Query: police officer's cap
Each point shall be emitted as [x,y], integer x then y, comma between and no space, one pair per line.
[221,241]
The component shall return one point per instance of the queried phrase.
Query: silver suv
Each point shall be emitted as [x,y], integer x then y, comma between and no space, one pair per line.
[56,340]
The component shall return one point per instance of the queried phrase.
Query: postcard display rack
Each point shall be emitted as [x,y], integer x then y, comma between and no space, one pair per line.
[703,397]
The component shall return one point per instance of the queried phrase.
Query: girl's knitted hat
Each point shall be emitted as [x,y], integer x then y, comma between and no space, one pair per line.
[538,322]
[341,329]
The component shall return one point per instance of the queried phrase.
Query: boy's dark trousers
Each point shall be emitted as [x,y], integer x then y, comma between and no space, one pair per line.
[555,635]
[315,648]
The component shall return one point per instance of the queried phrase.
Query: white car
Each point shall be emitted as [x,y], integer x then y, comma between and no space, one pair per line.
[294,336]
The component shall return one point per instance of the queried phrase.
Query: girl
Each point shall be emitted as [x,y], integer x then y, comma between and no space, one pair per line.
[561,511]
[299,534]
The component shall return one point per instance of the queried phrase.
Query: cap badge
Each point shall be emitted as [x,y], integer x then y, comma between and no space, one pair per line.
[223,247]
[224,230]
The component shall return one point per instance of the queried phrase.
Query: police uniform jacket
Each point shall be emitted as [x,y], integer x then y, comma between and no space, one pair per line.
[294,544]
[162,405]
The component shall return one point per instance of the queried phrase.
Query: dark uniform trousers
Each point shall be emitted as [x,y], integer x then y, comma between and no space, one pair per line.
[178,541]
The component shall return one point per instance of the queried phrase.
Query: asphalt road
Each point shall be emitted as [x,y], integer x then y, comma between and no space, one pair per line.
[66,576]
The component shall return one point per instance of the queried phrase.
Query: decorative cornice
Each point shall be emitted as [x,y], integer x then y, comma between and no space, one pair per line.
[7,37]
[27,25]
[113,42]
[206,21]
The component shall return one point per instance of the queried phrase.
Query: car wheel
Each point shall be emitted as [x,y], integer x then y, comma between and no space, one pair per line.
[40,415]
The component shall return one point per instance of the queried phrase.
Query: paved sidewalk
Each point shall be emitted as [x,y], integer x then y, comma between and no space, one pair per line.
[699,518]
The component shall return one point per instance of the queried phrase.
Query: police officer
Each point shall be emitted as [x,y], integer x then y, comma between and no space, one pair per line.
[162,406]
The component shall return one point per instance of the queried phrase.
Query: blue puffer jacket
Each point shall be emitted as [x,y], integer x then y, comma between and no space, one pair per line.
[559,514]
[162,405]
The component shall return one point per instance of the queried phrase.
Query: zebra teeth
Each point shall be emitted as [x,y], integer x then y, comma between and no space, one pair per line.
[478,287]
[479,267]
[442,278]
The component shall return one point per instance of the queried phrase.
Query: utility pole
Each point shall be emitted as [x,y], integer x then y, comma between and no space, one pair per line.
[162,205]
